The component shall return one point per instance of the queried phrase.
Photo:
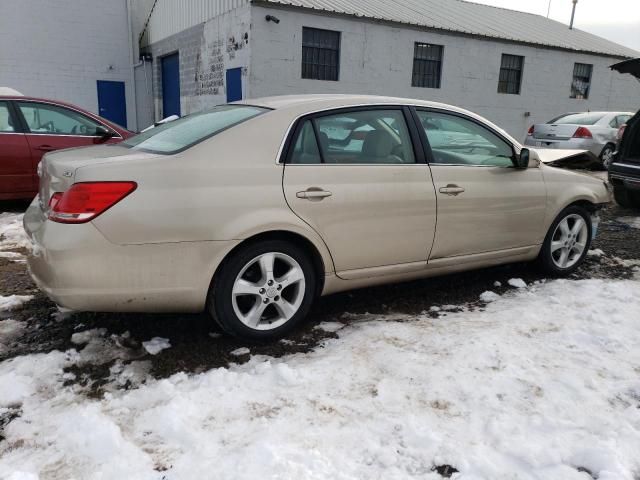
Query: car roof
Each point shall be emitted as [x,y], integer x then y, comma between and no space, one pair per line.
[301,105]
[317,102]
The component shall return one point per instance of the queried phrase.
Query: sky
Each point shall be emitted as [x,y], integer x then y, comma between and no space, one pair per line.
[615,20]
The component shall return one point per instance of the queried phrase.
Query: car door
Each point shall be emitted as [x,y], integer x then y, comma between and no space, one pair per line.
[485,204]
[359,179]
[54,127]
[16,169]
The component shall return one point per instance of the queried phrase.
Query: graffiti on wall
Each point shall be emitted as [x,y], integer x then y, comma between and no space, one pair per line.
[210,63]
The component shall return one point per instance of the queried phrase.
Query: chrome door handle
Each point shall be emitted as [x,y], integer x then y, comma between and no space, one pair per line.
[452,190]
[313,194]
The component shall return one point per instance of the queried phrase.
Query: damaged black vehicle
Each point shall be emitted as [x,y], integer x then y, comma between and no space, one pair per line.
[624,171]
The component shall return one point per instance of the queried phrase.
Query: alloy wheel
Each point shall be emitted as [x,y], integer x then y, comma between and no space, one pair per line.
[268,291]
[607,157]
[569,241]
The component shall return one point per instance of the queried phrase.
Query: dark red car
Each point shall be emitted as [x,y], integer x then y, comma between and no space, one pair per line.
[30,127]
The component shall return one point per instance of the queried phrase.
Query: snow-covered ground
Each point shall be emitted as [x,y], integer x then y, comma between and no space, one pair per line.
[542,383]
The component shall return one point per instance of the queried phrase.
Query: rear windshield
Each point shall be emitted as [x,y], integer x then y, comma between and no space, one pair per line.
[185,132]
[579,119]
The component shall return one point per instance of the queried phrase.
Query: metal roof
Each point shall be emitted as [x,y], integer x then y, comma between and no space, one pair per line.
[470,19]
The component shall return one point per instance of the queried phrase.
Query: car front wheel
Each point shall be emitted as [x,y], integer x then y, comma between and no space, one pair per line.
[263,291]
[567,242]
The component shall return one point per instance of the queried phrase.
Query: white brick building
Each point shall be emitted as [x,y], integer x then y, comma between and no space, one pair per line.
[375,47]
[61,49]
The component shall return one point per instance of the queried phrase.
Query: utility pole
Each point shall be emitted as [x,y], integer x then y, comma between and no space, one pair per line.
[573,14]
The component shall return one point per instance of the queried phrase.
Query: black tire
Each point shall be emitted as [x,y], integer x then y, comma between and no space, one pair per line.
[220,304]
[606,151]
[545,258]
[626,198]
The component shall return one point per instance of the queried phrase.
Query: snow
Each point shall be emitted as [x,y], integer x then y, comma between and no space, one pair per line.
[13,302]
[517,283]
[489,297]
[633,222]
[240,352]
[595,253]
[330,327]
[156,345]
[541,382]
[12,234]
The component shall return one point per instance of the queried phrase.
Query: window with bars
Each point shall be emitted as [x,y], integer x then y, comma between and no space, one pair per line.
[427,65]
[581,80]
[320,54]
[510,74]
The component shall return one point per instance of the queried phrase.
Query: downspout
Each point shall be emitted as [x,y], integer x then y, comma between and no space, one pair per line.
[133,67]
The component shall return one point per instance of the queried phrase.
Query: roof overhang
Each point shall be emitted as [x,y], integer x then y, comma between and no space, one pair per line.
[631,66]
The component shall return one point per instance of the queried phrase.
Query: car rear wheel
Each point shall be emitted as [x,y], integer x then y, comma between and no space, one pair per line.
[567,242]
[607,155]
[626,198]
[263,291]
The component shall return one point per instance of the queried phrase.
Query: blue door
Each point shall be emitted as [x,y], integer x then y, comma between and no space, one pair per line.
[234,84]
[170,85]
[112,103]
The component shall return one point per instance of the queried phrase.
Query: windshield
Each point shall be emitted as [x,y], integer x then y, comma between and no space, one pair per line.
[185,132]
[579,119]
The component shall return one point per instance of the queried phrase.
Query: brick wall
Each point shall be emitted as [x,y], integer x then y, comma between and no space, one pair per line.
[60,49]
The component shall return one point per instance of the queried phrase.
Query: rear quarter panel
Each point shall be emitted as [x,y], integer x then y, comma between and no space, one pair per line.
[228,187]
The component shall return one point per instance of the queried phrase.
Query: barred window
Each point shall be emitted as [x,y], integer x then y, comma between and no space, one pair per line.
[581,80]
[427,65]
[510,74]
[320,54]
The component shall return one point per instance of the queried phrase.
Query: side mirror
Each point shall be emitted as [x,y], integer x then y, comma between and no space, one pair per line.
[104,132]
[522,161]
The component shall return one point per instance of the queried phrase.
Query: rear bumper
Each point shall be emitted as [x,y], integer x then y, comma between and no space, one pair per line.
[571,144]
[78,268]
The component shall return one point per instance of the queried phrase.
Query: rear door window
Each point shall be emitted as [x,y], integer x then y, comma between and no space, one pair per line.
[372,136]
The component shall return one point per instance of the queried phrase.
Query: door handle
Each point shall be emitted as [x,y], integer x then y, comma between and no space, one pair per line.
[314,194]
[452,190]
[45,148]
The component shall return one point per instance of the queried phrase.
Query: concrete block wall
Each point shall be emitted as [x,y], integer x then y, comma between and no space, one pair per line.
[378,59]
[60,49]
[205,52]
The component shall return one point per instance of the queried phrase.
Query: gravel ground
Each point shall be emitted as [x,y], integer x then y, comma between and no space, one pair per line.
[196,346]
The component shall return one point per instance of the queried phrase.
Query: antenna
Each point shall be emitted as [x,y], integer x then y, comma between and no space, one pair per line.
[549,9]
[573,14]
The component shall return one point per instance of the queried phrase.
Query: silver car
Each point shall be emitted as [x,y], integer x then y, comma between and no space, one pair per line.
[593,131]
[252,210]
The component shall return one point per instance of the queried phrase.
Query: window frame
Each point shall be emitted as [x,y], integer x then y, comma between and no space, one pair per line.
[521,73]
[427,145]
[286,154]
[27,130]
[338,51]
[573,79]
[416,59]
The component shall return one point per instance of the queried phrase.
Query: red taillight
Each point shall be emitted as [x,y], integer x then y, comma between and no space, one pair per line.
[621,132]
[582,132]
[531,130]
[85,201]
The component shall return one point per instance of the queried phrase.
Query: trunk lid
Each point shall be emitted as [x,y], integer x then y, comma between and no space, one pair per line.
[551,131]
[57,169]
